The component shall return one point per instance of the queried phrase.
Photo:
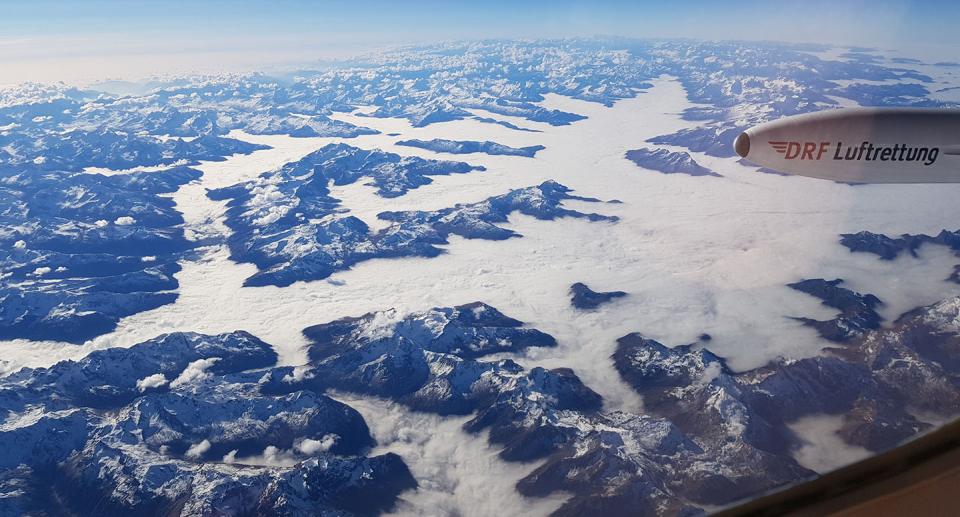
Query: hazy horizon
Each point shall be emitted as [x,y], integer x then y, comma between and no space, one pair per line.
[53,40]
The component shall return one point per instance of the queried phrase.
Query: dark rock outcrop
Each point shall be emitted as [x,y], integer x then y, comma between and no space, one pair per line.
[857,311]
[469,147]
[584,298]
[667,162]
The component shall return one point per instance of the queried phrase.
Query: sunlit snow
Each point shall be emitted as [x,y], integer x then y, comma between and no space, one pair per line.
[696,255]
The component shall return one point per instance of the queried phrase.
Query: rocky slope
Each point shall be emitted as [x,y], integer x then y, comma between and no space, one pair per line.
[194,424]
[79,251]
[584,298]
[889,248]
[469,147]
[173,426]
[857,311]
[287,223]
[667,162]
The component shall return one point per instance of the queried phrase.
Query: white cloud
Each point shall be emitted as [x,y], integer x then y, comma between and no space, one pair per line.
[458,473]
[125,220]
[383,324]
[40,271]
[697,254]
[823,450]
[310,447]
[297,374]
[20,245]
[100,223]
[198,449]
[271,457]
[710,373]
[194,372]
[151,381]
[276,456]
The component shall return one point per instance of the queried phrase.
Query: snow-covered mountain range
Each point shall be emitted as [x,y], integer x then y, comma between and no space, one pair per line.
[322,210]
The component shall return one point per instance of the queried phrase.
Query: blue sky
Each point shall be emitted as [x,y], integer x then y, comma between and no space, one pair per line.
[107,35]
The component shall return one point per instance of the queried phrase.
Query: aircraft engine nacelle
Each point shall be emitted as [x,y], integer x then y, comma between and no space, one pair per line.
[860,145]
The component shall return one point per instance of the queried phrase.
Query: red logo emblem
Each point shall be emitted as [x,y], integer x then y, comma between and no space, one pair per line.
[801,150]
